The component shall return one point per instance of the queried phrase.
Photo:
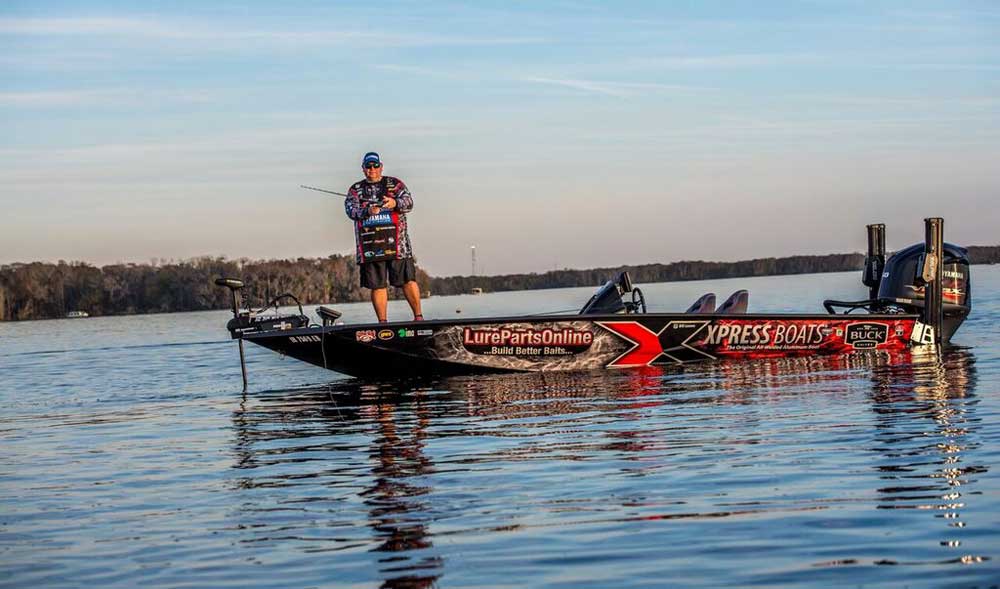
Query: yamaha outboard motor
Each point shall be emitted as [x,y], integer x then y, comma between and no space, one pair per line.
[903,285]
[929,279]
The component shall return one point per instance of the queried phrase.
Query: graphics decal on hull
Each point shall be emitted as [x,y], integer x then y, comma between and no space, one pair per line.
[504,341]
[583,344]
[653,341]
[556,345]
[865,336]
[756,338]
[668,345]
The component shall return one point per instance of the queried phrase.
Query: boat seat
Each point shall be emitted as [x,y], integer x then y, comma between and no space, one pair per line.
[736,304]
[328,315]
[705,304]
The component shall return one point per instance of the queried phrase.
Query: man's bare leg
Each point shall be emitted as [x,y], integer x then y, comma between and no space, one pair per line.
[411,290]
[380,299]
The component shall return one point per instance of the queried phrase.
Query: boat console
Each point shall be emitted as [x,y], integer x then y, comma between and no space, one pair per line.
[609,299]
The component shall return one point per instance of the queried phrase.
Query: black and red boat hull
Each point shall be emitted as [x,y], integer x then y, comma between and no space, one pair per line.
[580,342]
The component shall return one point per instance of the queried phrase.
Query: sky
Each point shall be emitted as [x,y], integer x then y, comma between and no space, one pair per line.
[563,134]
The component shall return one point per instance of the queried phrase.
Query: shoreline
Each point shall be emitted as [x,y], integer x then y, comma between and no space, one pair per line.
[727,268]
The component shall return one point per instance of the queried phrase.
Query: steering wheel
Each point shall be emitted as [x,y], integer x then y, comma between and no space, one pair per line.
[638,301]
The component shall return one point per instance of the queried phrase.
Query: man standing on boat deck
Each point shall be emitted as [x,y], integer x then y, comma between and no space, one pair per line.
[378,205]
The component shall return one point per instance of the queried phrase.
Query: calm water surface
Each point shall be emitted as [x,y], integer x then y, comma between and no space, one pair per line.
[131,457]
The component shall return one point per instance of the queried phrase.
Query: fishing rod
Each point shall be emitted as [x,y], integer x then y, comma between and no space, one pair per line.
[376,202]
[321,190]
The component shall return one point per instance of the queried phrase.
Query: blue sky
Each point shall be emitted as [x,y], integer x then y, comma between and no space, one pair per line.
[548,134]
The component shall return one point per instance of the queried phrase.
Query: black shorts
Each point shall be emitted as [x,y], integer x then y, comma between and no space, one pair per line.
[373,274]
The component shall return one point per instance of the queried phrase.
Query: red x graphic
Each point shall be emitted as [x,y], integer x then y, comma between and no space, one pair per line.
[647,344]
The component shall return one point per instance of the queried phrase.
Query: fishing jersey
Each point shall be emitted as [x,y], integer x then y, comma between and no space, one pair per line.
[382,236]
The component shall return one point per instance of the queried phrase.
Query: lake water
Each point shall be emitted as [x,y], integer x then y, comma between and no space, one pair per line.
[131,457]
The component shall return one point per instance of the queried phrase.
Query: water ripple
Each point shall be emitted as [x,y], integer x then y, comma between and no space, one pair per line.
[130,463]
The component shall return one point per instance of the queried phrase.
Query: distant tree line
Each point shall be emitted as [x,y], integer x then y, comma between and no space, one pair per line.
[677,271]
[41,290]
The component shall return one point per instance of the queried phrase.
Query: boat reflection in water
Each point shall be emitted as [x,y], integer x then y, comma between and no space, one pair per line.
[925,428]
[402,483]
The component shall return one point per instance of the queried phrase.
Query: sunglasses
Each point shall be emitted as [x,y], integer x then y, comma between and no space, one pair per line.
[370,166]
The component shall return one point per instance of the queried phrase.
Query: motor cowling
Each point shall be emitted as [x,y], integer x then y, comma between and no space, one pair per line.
[902,284]
[608,299]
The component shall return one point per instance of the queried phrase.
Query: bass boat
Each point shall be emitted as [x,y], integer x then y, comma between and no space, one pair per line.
[918,297]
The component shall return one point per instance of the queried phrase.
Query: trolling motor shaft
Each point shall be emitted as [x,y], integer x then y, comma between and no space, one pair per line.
[234,287]
[247,321]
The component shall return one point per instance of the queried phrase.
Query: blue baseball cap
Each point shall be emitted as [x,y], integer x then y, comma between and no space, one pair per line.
[371,158]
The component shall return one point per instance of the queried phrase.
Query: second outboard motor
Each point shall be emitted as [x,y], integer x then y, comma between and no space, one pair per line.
[903,286]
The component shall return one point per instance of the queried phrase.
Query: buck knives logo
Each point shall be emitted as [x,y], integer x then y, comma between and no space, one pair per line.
[865,336]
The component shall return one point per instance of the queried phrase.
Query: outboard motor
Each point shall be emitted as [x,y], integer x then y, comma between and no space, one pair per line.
[929,279]
[903,285]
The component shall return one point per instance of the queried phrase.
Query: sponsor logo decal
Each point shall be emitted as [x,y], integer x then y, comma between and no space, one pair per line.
[766,335]
[686,341]
[865,336]
[403,332]
[505,341]
[425,332]
[380,219]
[365,335]
[385,334]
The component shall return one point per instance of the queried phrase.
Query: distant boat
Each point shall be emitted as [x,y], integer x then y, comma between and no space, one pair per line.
[77,314]
[476,290]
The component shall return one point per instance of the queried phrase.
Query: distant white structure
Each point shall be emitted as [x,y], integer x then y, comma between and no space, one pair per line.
[473,248]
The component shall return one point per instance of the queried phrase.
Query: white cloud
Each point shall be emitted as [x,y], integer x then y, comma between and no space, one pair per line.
[734,61]
[103,97]
[147,28]
[619,89]
[453,74]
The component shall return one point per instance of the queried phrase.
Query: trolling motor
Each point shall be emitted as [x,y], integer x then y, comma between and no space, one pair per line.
[875,260]
[931,279]
[608,299]
[246,320]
